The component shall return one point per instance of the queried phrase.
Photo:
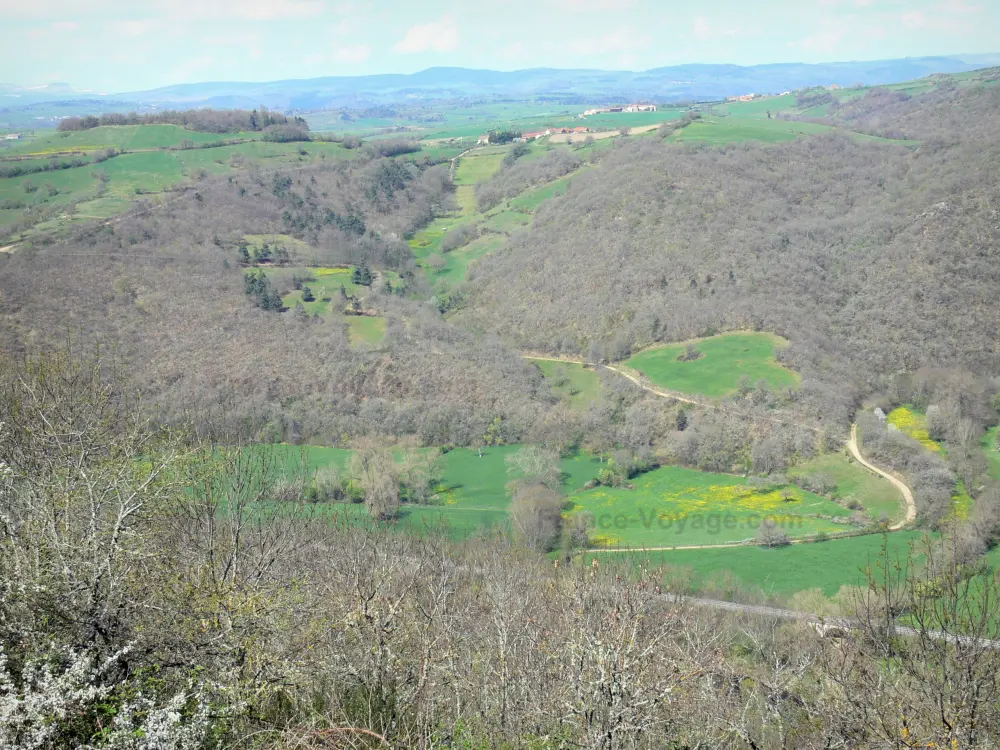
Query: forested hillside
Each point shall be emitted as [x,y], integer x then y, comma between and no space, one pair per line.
[680,438]
[872,258]
[163,288]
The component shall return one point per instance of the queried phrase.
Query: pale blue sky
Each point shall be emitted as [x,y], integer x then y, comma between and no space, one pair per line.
[121,45]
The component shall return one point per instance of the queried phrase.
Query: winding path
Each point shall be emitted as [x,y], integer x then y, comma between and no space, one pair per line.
[907,493]
[852,445]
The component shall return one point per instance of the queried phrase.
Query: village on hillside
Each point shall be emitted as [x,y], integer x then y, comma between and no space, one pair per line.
[484,139]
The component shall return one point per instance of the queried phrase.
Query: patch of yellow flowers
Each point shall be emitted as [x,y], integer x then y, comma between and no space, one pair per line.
[915,425]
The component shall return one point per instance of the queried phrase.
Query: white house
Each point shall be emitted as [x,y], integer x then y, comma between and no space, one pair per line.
[12,137]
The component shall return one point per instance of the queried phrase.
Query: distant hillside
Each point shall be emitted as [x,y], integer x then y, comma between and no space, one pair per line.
[670,83]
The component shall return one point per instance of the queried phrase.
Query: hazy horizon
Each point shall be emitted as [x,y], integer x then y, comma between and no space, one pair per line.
[116,46]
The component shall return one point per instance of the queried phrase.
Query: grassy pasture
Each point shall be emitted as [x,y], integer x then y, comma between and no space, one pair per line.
[506,221]
[129,137]
[476,168]
[325,288]
[365,329]
[579,385]
[855,482]
[749,127]
[457,262]
[673,506]
[735,130]
[726,359]
[472,495]
[530,200]
[779,572]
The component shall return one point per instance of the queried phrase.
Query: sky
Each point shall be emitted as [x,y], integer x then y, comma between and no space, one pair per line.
[127,45]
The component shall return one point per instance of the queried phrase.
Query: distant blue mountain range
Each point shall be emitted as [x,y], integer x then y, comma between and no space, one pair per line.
[674,83]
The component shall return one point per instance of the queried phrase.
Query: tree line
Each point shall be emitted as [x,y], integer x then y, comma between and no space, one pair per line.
[203,120]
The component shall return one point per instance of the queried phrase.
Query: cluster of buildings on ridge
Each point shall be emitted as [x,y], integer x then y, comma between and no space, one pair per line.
[623,108]
[484,139]
[751,97]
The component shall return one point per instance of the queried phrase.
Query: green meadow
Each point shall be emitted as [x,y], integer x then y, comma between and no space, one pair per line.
[129,137]
[778,572]
[674,507]
[734,130]
[325,288]
[876,494]
[580,386]
[472,495]
[366,329]
[726,359]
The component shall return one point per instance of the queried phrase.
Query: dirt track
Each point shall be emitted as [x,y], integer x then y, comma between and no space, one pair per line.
[852,446]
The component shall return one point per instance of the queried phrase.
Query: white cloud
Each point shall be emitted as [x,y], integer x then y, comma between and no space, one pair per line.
[344,27]
[702,29]
[243,10]
[622,40]
[825,39]
[189,70]
[827,4]
[914,19]
[592,6]
[958,7]
[514,51]
[178,10]
[353,53]
[65,26]
[436,36]
[138,27]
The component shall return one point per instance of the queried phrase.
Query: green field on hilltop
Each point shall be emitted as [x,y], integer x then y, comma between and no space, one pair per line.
[148,172]
[366,329]
[131,176]
[734,130]
[579,385]
[32,190]
[130,137]
[325,286]
[674,506]
[779,572]
[725,360]
[476,168]
[878,496]
[758,107]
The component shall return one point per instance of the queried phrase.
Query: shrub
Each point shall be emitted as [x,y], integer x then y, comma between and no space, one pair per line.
[458,237]
[770,535]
